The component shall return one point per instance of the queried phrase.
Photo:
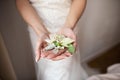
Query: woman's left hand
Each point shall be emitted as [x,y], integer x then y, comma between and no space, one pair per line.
[68,32]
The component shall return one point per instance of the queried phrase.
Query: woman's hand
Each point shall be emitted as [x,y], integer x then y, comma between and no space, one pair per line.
[41,53]
[62,53]
[40,45]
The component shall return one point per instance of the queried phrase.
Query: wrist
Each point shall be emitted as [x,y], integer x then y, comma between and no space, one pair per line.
[42,36]
[66,27]
[43,31]
[40,29]
[69,25]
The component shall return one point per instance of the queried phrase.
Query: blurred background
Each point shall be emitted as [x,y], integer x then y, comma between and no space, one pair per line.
[99,38]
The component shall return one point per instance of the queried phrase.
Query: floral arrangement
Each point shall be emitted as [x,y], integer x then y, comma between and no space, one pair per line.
[57,42]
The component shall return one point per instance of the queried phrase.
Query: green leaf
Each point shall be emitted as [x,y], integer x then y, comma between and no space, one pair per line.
[71,48]
[57,43]
[67,41]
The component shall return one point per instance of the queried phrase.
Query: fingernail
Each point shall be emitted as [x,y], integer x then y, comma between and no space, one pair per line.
[36,59]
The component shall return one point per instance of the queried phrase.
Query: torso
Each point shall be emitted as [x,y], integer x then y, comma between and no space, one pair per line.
[52,12]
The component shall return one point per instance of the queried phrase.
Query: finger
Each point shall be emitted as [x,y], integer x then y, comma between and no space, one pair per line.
[38,51]
[68,54]
[46,53]
[43,52]
[62,56]
[44,44]
[37,56]
[73,36]
[75,44]
[53,55]
[61,51]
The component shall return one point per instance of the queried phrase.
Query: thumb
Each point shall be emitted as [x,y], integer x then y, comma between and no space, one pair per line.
[37,58]
[38,51]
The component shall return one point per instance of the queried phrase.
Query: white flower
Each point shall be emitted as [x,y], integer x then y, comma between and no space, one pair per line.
[67,41]
[49,47]
[51,39]
[57,42]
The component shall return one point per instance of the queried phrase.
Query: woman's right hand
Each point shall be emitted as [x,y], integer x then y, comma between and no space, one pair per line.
[40,45]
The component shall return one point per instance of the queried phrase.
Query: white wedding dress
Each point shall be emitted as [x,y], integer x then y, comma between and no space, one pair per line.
[53,14]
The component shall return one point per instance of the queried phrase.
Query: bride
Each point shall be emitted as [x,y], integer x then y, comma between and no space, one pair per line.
[54,16]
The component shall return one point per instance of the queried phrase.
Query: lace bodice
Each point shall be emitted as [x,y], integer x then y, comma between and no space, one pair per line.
[52,12]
